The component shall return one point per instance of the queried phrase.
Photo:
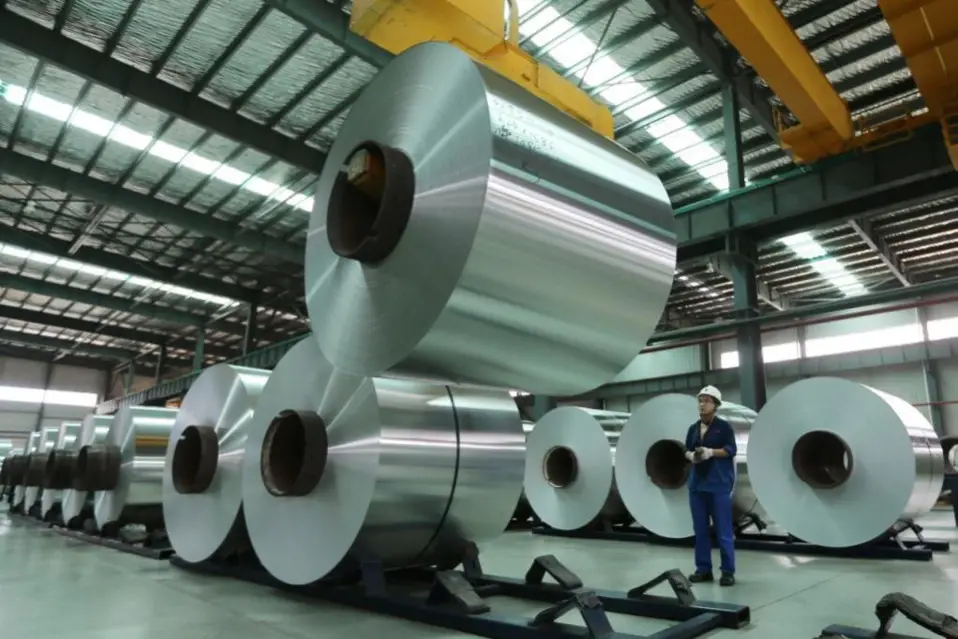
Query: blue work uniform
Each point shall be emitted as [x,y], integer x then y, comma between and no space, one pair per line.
[711,483]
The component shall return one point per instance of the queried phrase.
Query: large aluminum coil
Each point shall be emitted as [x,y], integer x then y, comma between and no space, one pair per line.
[568,470]
[949,447]
[126,470]
[58,473]
[36,467]
[652,472]
[838,463]
[341,467]
[76,499]
[203,474]
[455,214]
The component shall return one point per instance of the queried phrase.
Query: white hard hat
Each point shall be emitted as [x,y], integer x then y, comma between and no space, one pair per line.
[712,392]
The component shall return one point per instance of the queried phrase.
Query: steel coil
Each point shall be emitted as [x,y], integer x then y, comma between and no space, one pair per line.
[126,469]
[76,498]
[568,469]
[652,472]
[36,467]
[58,471]
[203,474]
[450,228]
[342,466]
[838,463]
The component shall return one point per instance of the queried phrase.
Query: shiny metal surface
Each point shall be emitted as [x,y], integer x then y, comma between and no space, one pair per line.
[515,204]
[652,472]
[873,459]
[949,447]
[222,399]
[37,465]
[390,476]
[93,431]
[568,468]
[61,457]
[141,433]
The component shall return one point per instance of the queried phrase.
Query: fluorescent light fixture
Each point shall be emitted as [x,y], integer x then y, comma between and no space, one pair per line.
[25,395]
[121,134]
[671,131]
[806,247]
[73,266]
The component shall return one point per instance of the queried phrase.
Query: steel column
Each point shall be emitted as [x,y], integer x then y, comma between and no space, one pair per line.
[733,136]
[160,364]
[751,366]
[249,338]
[198,352]
[130,378]
[929,371]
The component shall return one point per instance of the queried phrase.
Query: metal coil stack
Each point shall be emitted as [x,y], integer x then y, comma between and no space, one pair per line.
[203,470]
[652,471]
[569,467]
[838,463]
[59,469]
[19,489]
[438,270]
[76,503]
[126,469]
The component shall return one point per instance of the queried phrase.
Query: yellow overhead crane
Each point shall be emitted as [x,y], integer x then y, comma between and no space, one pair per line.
[927,34]
[759,31]
[476,27]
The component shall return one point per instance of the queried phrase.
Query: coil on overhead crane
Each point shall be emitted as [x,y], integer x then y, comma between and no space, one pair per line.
[469,232]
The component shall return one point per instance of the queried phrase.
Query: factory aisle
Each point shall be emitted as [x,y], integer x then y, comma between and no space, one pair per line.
[50,585]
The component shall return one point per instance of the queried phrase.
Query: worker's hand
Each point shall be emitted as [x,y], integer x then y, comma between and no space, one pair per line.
[704,453]
[690,455]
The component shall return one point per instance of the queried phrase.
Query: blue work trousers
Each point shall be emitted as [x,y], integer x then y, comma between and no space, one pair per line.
[716,507]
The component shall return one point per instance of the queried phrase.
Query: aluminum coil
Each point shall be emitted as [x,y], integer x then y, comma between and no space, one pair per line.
[838,463]
[58,472]
[652,472]
[454,215]
[203,474]
[126,470]
[949,448]
[401,470]
[568,469]
[93,431]
[36,467]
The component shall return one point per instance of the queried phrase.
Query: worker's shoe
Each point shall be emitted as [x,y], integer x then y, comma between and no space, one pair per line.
[728,579]
[701,577]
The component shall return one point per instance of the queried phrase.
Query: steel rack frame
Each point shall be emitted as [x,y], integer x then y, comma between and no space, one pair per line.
[461,599]
[893,546]
[888,607]
[151,544]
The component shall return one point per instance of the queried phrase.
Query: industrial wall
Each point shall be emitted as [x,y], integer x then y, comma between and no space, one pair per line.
[18,417]
[848,339]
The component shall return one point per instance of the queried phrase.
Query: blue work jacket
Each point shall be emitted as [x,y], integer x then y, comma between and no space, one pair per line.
[717,474]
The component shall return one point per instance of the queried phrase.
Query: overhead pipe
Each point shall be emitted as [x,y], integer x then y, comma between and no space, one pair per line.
[790,318]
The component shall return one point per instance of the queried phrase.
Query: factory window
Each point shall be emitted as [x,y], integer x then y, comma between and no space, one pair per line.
[22,394]
[942,328]
[864,341]
[774,353]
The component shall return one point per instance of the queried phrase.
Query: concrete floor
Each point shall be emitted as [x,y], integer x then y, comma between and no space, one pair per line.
[51,585]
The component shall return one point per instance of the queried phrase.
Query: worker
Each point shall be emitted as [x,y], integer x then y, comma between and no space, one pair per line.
[710,447]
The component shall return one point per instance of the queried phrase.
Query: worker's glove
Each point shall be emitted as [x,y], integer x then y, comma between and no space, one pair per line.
[690,455]
[704,453]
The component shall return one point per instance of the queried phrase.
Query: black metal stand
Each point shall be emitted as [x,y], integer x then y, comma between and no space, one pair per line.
[154,545]
[460,599]
[887,609]
[951,483]
[891,547]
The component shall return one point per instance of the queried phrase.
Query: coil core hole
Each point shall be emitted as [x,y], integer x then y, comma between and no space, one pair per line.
[666,465]
[560,467]
[294,455]
[822,459]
